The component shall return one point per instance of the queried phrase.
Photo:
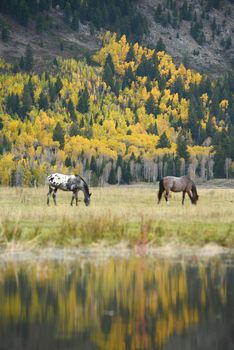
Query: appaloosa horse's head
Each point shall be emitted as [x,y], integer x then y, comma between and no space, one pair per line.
[87,199]
[85,189]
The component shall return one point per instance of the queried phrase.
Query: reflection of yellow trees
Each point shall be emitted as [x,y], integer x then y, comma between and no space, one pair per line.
[123,304]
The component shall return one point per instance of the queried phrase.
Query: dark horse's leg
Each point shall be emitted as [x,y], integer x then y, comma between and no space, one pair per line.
[160,191]
[48,195]
[190,195]
[54,195]
[166,196]
[184,193]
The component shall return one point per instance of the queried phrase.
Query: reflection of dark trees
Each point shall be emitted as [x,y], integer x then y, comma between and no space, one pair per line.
[68,282]
[124,312]
[106,324]
[51,299]
[81,291]
[24,291]
[194,285]
[47,297]
[128,341]
[10,285]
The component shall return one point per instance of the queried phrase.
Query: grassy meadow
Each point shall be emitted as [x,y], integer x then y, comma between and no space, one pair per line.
[124,213]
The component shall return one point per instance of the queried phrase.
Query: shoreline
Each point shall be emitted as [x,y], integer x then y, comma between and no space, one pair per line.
[100,251]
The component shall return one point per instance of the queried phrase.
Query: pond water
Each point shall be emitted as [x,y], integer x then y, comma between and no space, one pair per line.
[117,303]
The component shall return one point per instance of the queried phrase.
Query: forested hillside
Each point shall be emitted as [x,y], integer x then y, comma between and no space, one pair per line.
[129,114]
[119,16]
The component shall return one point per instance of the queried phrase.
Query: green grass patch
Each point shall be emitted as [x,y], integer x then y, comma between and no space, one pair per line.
[115,214]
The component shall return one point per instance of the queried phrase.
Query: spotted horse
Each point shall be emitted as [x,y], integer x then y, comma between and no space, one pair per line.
[72,183]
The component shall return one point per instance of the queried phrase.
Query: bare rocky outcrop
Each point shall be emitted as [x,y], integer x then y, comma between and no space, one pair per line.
[211,57]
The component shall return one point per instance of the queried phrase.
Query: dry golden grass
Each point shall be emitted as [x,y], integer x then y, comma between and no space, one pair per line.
[128,213]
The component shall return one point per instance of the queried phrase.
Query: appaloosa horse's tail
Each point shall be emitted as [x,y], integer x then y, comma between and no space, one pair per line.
[161,190]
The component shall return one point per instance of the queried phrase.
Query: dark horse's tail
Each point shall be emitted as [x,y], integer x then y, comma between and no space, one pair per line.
[195,195]
[161,190]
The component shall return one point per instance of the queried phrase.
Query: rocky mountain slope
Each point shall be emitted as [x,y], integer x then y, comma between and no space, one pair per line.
[197,33]
[213,54]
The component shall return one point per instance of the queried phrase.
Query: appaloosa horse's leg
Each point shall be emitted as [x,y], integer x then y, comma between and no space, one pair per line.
[48,195]
[74,194]
[54,195]
[183,196]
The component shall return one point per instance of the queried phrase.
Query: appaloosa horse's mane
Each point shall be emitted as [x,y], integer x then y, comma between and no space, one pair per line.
[85,183]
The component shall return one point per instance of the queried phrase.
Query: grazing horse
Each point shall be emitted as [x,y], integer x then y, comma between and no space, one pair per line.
[73,183]
[178,184]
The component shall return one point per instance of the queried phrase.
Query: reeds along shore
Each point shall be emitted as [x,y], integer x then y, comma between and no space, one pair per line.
[116,213]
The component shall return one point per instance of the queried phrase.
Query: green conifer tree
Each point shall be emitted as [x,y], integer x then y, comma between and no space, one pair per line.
[28,59]
[128,78]
[130,55]
[108,77]
[83,104]
[26,102]
[163,141]
[182,147]
[71,110]
[112,176]
[75,22]
[43,101]
[5,35]
[58,135]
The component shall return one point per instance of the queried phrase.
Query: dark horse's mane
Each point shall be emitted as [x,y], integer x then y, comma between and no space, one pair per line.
[85,183]
[194,189]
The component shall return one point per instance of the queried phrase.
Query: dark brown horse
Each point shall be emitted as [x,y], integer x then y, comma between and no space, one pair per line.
[178,184]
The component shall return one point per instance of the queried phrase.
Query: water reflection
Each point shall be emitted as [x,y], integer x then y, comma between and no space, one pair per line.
[117,304]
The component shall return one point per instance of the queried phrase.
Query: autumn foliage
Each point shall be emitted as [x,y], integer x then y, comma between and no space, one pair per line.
[117,121]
